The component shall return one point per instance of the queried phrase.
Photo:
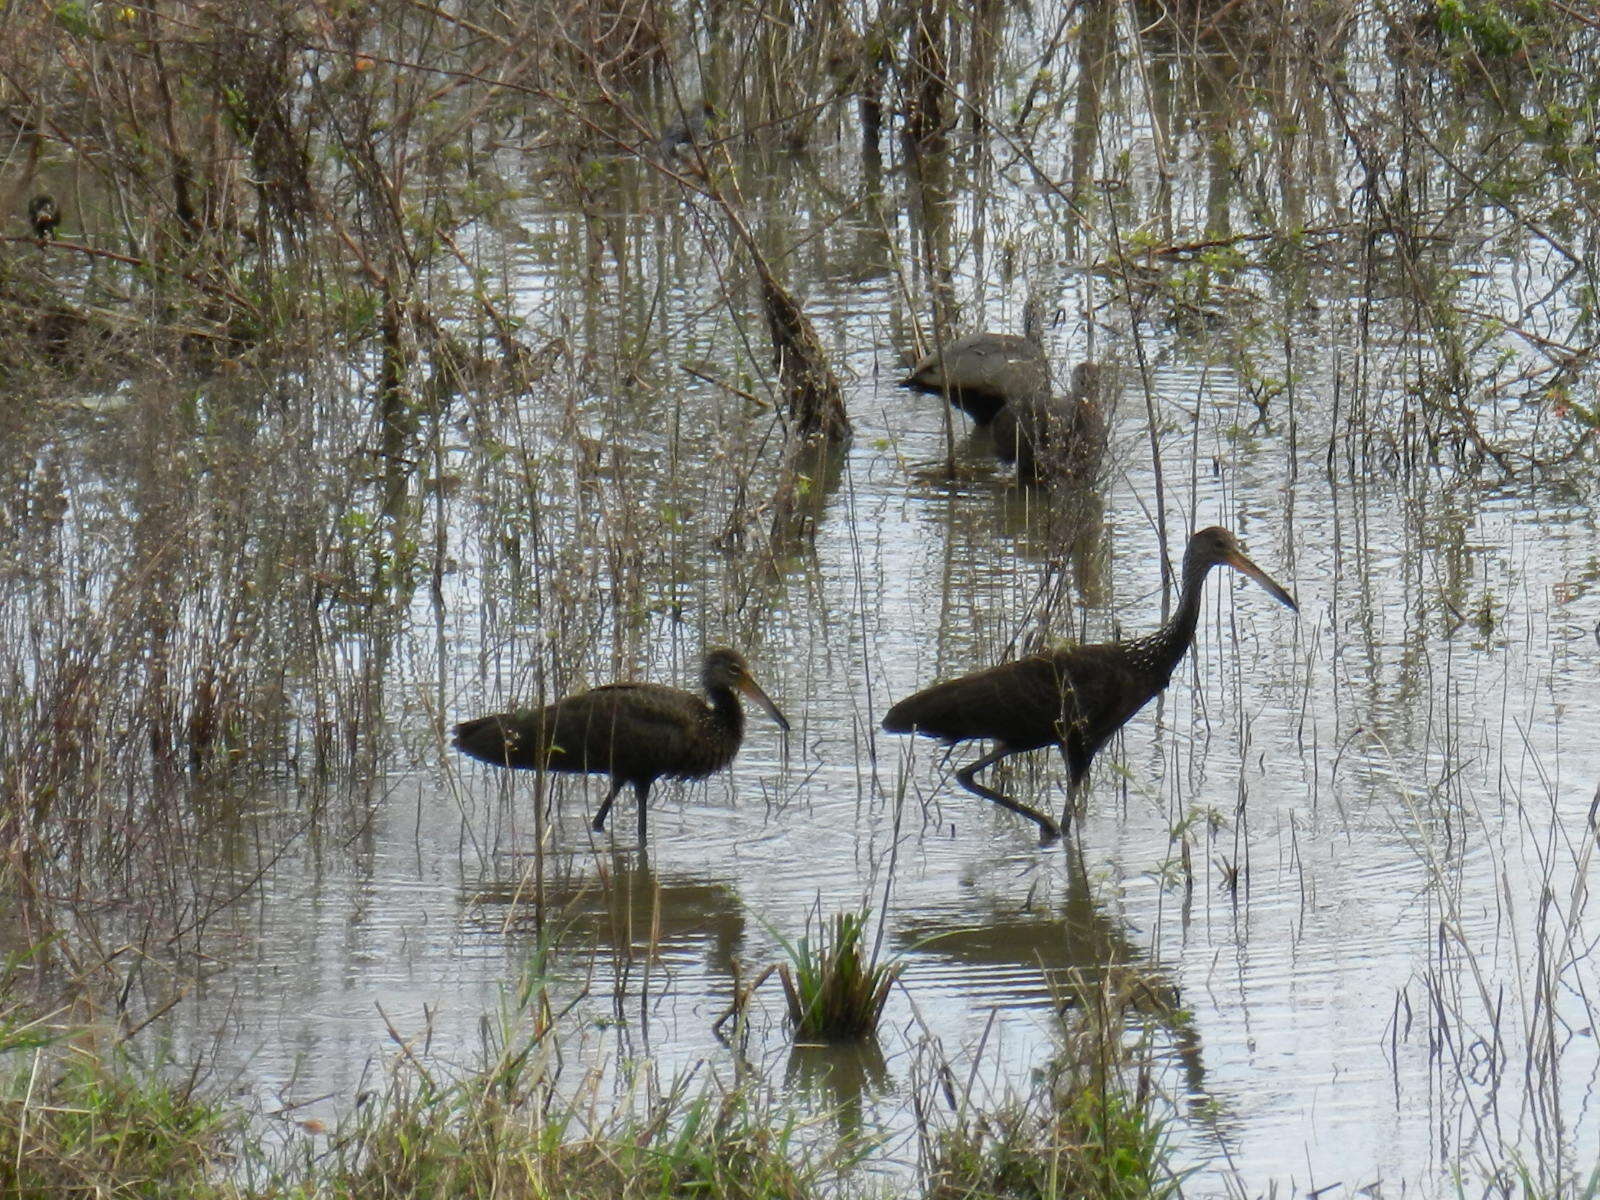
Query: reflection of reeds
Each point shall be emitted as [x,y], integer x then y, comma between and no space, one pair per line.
[835,989]
[1089,1125]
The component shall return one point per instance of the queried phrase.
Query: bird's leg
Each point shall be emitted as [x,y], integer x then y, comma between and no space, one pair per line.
[1070,809]
[644,796]
[1049,831]
[599,822]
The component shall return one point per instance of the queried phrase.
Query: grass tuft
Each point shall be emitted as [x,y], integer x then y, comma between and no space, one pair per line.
[836,990]
[81,1126]
[1082,1142]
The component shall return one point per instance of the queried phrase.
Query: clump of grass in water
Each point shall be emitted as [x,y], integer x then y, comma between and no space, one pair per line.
[1078,1142]
[1088,1127]
[836,991]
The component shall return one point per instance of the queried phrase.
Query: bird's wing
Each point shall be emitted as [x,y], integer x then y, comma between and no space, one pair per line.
[1104,691]
[1015,703]
[610,722]
[982,348]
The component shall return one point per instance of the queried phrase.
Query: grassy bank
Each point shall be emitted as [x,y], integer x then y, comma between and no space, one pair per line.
[81,1118]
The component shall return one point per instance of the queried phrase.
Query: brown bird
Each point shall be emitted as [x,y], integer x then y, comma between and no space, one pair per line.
[1059,440]
[688,131]
[980,372]
[633,732]
[44,216]
[1075,698]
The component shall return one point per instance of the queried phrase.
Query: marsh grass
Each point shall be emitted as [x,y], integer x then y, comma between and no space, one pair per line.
[835,988]
[520,1138]
[1078,1142]
[78,1119]
[1089,1124]
[75,1123]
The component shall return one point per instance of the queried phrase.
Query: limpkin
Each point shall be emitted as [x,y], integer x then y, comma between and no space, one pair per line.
[1074,698]
[634,732]
[1057,439]
[980,372]
[688,131]
[44,216]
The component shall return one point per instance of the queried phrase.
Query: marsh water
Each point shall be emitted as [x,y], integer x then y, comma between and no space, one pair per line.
[1344,857]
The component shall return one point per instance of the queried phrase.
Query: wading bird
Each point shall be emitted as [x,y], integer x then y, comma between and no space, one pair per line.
[688,131]
[1075,699]
[980,372]
[1057,440]
[634,732]
[44,216]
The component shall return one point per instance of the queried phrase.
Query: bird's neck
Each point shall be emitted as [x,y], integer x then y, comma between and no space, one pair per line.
[1168,644]
[726,710]
[1033,320]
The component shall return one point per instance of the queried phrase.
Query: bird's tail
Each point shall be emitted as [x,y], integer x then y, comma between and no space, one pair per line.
[483,739]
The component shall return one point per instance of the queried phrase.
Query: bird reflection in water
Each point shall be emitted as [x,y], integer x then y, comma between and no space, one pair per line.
[617,905]
[1069,954]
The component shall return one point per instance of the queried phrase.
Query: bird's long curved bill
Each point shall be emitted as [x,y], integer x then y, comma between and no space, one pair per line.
[753,689]
[1241,563]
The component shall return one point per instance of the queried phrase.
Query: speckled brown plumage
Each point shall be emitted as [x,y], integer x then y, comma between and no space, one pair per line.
[1074,698]
[634,732]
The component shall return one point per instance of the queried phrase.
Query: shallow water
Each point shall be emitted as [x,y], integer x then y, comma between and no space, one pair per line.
[1398,787]
[1402,774]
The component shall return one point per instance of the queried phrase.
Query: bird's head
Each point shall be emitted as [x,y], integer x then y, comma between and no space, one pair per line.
[1217,547]
[726,670]
[1091,380]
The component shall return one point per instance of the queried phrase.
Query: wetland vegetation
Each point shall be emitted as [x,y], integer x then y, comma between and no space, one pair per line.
[368,366]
